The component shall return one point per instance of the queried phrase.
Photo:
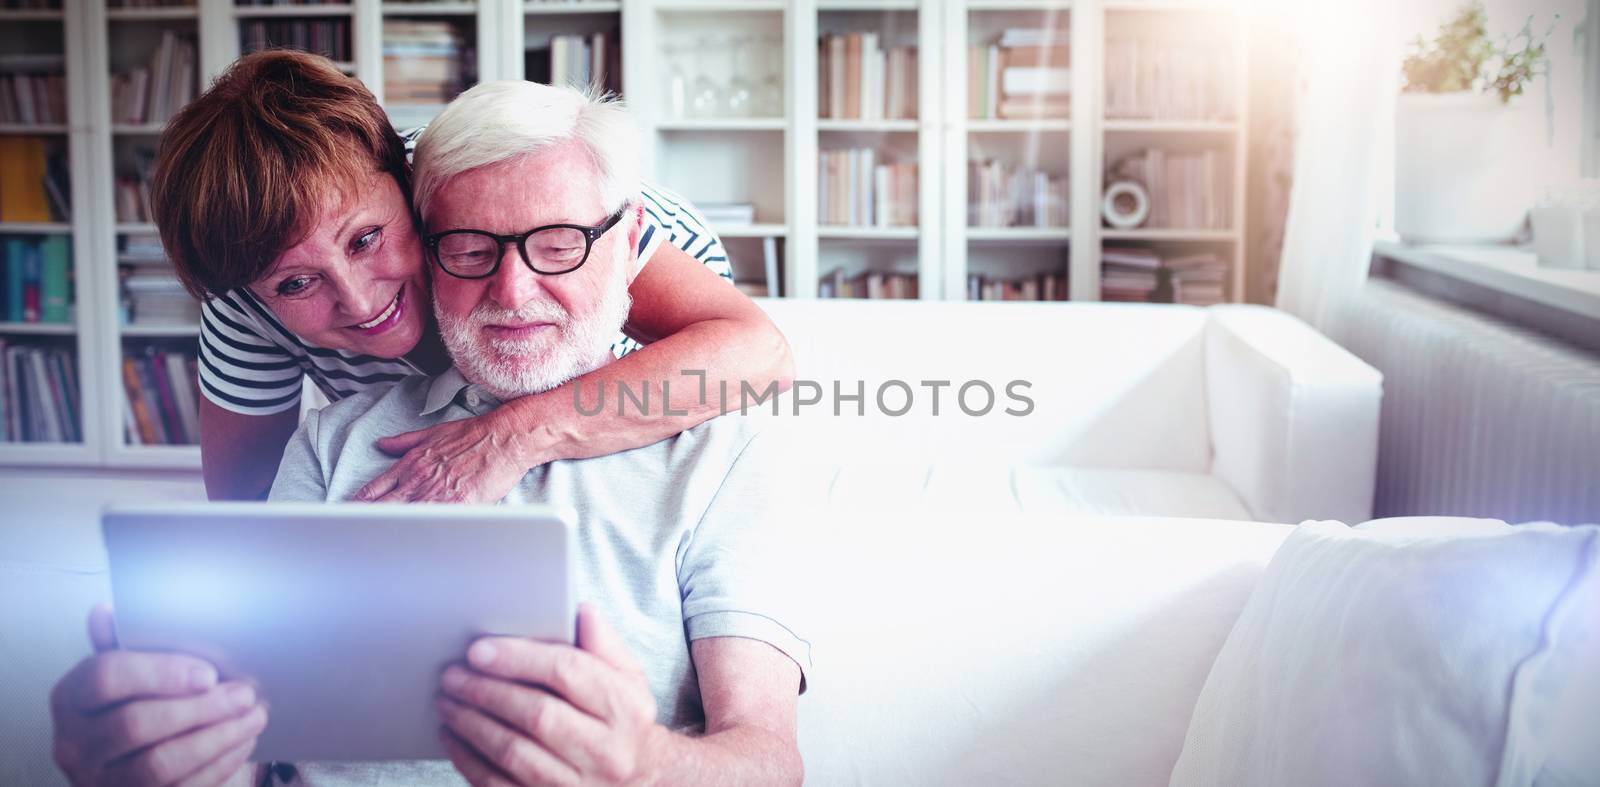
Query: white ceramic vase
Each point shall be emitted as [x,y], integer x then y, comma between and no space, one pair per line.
[1465,167]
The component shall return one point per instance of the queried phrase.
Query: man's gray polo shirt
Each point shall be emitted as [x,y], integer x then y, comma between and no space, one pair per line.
[676,541]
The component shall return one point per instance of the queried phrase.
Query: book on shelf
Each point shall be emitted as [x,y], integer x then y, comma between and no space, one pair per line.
[858,79]
[153,92]
[425,61]
[161,397]
[1002,195]
[1024,74]
[1140,274]
[1043,286]
[592,60]
[34,182]
[1188,189]
[856,188]
[36,280]
[31,5]
[39,384]
[868,284]
[33,88]
[329,37]
[1167,78]
[132,195]
[150,4]
[152,295]
[727,214]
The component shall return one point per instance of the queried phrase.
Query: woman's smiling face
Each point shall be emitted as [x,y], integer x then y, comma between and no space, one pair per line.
[356,280]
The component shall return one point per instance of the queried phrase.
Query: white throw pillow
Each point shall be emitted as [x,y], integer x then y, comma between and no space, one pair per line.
[1415,651]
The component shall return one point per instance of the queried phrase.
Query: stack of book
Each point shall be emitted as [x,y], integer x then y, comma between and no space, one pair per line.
[1024,74]
[34,182]
[727,214]
[1187,190]
[1050,286]
[592,60]
[133,189]
[425,61]
[1129,274]
[163,396]
[1197,279]
[154,296]
[152,93]
[36,280]
[33,88]
[868,284]
[1167,79]
[327,37]
[1140,274]
[855,188]
[40,394]
[859,80]
[999,195]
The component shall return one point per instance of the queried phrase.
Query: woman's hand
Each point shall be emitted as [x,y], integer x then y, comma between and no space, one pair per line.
[466,461]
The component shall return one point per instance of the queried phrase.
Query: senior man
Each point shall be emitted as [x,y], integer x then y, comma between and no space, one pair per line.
[528,197]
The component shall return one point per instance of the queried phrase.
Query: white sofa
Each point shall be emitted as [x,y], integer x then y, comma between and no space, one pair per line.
[1230,412]
[981,615]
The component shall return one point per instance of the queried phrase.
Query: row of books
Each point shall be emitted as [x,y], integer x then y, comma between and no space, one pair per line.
[36,279]
[35,184]
[1024,74]
[42,399]
[868,284]
[859,80]
[150,3]
[1142,275]
[133,204]
[33,88]
[153,92]
[1002,195]
[856,188]
[425,61]
[30,5]
[1188,190]
[327,37]
[163,397]
[582,60]
[1167,79]
[1046,286]
[253,3]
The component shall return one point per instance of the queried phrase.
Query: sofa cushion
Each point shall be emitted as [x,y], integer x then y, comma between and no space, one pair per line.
[1419,651]
[997,488]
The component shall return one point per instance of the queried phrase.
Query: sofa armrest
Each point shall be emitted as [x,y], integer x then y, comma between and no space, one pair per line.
[1294,416]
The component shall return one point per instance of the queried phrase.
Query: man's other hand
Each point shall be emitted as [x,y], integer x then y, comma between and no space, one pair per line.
[534,713]
[150,719]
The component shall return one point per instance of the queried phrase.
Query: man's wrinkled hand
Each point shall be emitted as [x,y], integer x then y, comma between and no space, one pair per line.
[134,719]
[466,461]
[534,713]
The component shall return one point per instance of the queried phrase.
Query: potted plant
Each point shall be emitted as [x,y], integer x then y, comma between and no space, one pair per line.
[1466,151]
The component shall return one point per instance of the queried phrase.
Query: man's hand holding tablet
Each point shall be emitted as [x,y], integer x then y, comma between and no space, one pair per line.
[138,718]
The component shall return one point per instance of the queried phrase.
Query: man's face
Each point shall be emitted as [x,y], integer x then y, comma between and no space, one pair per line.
[519,332]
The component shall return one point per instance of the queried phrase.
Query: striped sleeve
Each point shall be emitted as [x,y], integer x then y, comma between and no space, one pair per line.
[670,218]
[241,371]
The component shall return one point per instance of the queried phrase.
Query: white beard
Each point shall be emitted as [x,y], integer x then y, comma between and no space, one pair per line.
[511,368]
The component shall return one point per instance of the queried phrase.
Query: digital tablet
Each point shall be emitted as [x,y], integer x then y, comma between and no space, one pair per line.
[343,614]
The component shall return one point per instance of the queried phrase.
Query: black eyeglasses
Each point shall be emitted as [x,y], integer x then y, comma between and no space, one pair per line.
[551,250]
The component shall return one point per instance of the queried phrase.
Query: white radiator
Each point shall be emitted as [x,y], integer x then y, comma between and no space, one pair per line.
[1480,418]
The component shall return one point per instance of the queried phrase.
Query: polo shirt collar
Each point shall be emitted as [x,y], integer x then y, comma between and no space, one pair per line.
[443,390]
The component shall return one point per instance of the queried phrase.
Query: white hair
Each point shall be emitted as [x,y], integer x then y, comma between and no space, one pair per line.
[499,121]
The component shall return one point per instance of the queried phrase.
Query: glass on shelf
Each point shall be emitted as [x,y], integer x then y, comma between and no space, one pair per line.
[677,80]
[769,98]
[741,90]
[706,94]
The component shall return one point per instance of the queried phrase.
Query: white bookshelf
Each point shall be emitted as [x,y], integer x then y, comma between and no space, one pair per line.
[770,160]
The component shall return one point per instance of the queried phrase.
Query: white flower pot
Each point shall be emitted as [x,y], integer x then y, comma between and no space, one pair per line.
[1465,167]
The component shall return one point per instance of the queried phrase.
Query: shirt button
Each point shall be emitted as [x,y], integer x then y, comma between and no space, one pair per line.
[473,400]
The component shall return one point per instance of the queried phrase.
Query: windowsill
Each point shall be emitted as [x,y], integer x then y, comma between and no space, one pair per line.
[1503,281]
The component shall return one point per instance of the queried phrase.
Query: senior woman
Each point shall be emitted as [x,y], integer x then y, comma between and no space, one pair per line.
[282,196]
